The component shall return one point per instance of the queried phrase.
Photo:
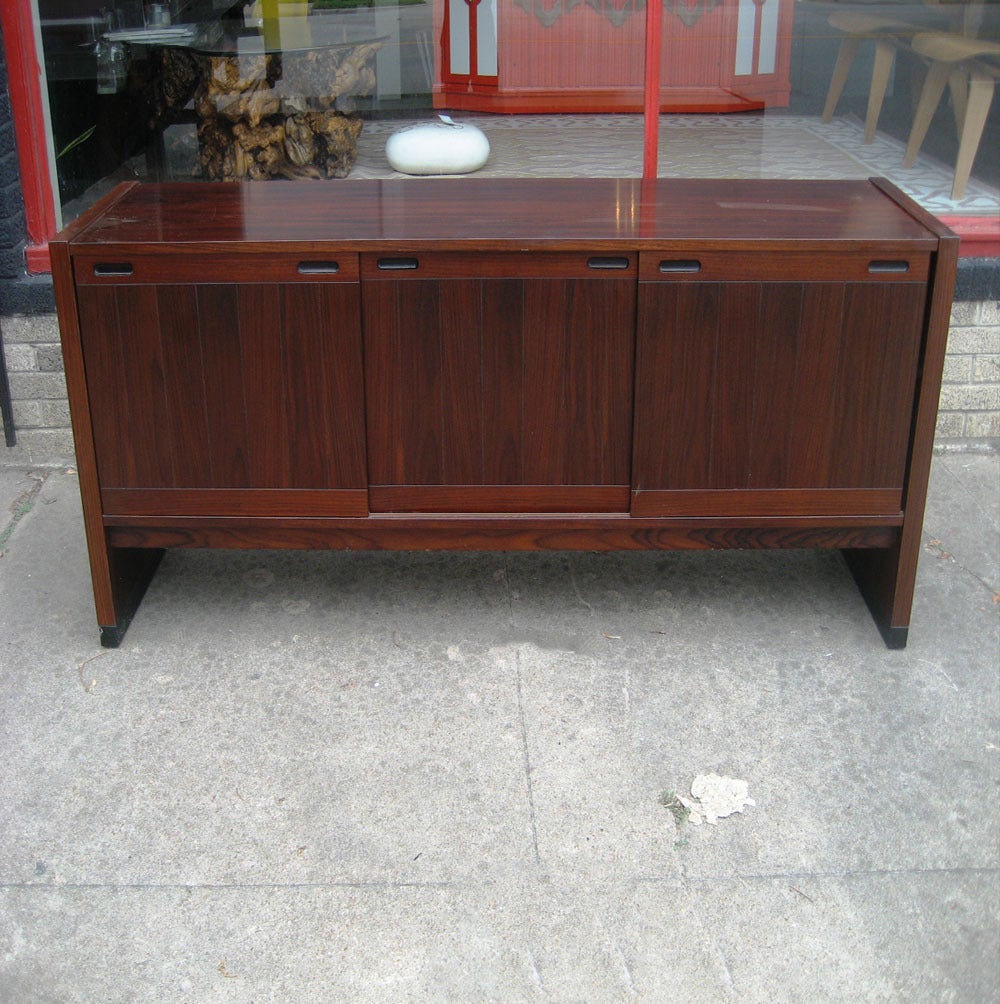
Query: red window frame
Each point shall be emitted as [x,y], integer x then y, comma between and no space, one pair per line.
[980,235]
[25,82]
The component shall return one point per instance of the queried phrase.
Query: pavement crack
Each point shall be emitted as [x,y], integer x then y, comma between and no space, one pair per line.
[510,598]
[935,546]
[626,972]
[527,758]
[21,506]
[576,587]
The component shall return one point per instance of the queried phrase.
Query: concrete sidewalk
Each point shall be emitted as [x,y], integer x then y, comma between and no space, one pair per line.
[435,777]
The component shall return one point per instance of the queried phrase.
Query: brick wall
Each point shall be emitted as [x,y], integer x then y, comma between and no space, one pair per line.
[969,410]
[37,390]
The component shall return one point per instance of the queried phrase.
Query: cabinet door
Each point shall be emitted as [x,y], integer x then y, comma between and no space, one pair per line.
[499,383]
[221,397]
[775,387]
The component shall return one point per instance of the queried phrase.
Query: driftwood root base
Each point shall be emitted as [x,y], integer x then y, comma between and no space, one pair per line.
[309,145]
[283,115]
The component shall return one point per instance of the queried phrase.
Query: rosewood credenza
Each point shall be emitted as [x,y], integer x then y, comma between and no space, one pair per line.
[505,364]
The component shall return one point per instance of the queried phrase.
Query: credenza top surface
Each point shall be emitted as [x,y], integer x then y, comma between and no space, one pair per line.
[498,214]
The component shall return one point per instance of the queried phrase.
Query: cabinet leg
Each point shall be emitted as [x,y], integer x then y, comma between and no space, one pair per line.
[882,580]
[131,571]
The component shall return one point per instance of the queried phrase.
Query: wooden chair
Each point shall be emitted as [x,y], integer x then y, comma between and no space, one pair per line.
[886,33]
[970,66]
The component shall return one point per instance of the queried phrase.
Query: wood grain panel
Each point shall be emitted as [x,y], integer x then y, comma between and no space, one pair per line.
[709,265]
[875,393]
[227,386]
[222,351]
[131,268]
[676,345]
[499,381]
[560,533]
[503,389]
[148,459]
[765,502]
[185,387]
[887,578]
[578,375]
[821,352]
[268,431]
[423,264]
[499,498]
[462,432]
[546,338]
[593,215]
[417,442]
[774,386]
[776,343]
[165,503]
[598,319]
[102,359]
[733,386]
[324,386]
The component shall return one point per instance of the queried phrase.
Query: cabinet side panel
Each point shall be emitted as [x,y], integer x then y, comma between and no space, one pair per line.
[881,343]
[219,324]
[71,320]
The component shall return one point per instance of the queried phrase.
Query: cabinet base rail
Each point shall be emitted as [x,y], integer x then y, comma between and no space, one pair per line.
[134,551]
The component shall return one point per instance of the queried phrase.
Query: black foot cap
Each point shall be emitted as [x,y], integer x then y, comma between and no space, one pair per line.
[894,637]
[111,637]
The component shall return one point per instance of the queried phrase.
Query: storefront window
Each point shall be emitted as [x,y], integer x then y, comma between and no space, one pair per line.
[275,89]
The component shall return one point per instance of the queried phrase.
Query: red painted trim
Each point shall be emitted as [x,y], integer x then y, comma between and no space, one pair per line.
[980,235]
[472,6]
[37,258]
[27,107]
[479,98]
[651,96]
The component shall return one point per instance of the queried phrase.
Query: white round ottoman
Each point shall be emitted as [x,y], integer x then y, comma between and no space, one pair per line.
[444,147]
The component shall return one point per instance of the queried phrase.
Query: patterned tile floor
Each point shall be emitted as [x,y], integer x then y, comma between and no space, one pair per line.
[727,146]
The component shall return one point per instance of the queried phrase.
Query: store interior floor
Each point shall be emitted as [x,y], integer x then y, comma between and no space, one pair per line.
[776,144]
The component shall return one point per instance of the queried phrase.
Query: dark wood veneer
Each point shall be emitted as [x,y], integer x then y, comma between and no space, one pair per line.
[504,363]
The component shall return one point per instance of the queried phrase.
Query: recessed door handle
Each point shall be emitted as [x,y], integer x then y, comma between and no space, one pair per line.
[397,264]
[113,268]
[680,265]
[318,267]
[889,265]
[610,263]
